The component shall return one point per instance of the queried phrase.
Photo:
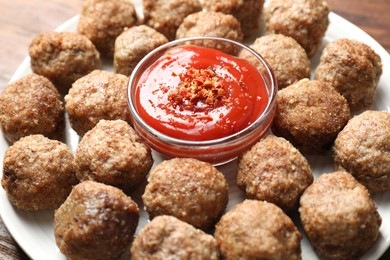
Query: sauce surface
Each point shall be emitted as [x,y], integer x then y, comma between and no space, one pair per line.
[196,93]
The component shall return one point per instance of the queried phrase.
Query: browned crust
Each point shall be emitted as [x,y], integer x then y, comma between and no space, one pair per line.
[353,69]
[191,190]
[96,221]
[310,114]
[273,170]
[339,216]
[38,173]
[257,230]
[362,149]
[63,57]
[31,105]
[102,21]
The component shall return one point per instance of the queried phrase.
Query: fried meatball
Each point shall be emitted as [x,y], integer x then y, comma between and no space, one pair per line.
[191,190]
[304,20]
[63,57]
[353,69]
[210,24]
[113,153]
[165,16]
[96,221]
[310,114]
[273,170]
[31,105]
[38,173]
[167,237]
[362,148]
[132,45]
[247,12]
[286,57]
[257,230]
[98,95]
[102,21]
[339,216]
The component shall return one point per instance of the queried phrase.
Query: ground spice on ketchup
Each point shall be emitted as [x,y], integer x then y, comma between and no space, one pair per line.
[197,93]
[198,86]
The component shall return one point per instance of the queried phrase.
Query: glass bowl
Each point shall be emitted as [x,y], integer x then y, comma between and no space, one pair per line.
[216,151]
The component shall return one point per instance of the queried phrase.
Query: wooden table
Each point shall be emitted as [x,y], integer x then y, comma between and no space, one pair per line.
[20,20]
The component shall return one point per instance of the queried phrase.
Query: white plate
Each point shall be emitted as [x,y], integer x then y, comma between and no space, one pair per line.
[34,231]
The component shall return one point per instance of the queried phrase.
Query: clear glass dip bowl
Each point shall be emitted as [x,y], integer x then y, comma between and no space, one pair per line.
[216,151]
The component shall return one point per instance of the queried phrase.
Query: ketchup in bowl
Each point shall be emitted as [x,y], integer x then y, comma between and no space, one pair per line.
[197,93]
[188,100]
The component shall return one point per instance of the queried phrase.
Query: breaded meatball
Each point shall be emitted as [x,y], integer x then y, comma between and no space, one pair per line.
[102,21]
[31,105]
[63,57]
[362,148]
[191,190]
[133,44]
[273,170]
[38,173]
[247,12]
[98,95]
[96,221]
[353,69]
[310,114]
[286,57]
[113,153]
[165,16]
[304,20]
[167,237]
[257,230]
[215,24]
[339,216]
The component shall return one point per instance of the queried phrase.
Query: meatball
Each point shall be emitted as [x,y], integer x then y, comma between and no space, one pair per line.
[102,21]
[167,237]
[287,58]
[112,153]
[273,170]
[257,230]
[31,105]
[63,57]
[210,24]
[336,227]
[165,16]
[98,95]
[132,45]
[96,221]
[191,190]
[304,20]
[310,114]
[353,69]
[247,12]
[38,173]
[362,148]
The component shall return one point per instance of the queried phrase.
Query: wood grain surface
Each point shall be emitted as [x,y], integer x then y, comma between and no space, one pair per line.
[21,20]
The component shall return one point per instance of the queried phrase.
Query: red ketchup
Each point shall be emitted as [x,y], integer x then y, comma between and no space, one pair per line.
[197,94]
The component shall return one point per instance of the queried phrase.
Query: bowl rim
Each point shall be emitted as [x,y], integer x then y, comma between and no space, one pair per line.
[223,140]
